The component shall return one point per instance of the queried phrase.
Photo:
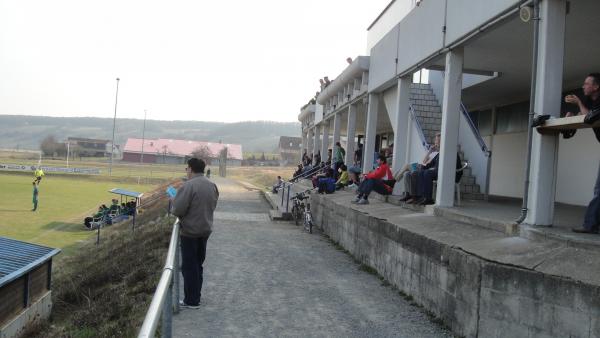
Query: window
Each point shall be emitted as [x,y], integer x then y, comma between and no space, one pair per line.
[483,121]
[513,118]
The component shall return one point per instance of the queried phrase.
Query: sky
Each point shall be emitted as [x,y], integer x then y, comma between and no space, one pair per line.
[178,60]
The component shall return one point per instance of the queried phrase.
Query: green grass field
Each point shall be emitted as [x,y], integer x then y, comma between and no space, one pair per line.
[64,200]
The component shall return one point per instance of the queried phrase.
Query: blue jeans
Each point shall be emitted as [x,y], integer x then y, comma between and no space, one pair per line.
[193,253]
[592,213]
[425,182]
[371,184]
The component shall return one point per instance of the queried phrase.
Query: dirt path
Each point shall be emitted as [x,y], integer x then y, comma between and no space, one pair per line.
[269,279]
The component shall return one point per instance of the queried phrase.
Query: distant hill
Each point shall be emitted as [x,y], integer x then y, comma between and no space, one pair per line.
[26,132]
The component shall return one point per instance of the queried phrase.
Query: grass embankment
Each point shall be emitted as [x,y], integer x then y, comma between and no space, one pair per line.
[262,177]
[105,290]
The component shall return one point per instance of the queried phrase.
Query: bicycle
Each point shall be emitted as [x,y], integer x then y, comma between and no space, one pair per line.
[301,210]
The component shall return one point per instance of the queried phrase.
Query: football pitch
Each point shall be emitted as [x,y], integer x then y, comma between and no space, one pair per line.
[64,201]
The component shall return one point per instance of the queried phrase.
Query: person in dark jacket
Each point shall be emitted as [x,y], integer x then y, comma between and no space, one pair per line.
[194,204]
[591,101]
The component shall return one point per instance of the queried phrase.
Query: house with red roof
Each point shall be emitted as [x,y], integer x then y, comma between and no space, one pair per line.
[170,151]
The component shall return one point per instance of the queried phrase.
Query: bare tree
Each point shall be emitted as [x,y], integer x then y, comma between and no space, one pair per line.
[50,147]
[204,153]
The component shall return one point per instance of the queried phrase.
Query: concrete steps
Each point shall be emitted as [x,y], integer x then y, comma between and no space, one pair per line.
[429,114]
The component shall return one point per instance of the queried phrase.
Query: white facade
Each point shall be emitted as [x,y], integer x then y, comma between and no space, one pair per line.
[486,50]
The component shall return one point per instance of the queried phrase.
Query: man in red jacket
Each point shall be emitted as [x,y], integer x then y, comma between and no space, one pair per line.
[381,180]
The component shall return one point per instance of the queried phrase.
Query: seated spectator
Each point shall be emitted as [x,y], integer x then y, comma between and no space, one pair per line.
[298,171]
[317,159]
[277,185]
[353,176]
[379,180]
[343,178]
[326,184]
[328,172]
[410,172]
[329,158]
[425,182]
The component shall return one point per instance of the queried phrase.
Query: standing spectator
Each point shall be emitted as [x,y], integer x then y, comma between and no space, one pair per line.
[338,157]
[358,156]
[194,204]
[591,101]
[35,196]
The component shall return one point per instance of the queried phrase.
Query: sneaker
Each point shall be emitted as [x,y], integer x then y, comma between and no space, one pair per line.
[352,185]
[363,201]
[356,200]
[187,306]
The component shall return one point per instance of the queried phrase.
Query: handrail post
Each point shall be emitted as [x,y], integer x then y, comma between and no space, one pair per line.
[167,313]
[282,193]
[287,203]
[176,276]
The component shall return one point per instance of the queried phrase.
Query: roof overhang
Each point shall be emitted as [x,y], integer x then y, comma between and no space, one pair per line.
[306,110]
[354,70]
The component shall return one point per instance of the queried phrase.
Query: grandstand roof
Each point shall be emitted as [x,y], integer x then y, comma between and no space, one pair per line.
[180,147]
[124,192]
[17,258]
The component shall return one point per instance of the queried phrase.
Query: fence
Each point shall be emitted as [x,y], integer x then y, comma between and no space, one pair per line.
[165,301]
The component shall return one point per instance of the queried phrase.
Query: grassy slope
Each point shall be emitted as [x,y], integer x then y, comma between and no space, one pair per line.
[105,290]
[63,203]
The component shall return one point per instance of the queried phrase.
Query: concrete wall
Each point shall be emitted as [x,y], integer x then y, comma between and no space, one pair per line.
[578,160]
[37,311]
[398,10]
[382,67]
[475,297]
[464,16]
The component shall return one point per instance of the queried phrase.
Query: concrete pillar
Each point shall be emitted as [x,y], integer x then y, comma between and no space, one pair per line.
[401,125]
[337,126]
[309,142]
[450,125]
[317,143]
[371,130]
[325,142]
[351,131]
[304,141]
[544,152]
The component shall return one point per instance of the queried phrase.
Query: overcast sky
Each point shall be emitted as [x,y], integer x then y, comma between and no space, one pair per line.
[181,60]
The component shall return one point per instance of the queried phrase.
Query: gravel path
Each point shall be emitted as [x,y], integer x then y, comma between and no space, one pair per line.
[270,279]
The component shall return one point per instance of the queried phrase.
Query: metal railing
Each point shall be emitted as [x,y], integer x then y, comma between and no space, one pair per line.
[165,301]
[290,184]
[413,115]
[475,130]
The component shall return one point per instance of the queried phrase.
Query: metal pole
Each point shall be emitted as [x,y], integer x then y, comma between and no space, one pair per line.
[98,235]
[532,94]
[176,275]
[167,315]
[143,138]
[287,202]
[282,193]
[112,145]
[68,144]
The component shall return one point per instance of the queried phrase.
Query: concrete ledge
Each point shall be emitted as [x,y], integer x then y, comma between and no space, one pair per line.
[37,311]
[480,282]
[509,228]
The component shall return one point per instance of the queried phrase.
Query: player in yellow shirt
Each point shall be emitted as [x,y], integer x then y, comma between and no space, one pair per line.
[39,173]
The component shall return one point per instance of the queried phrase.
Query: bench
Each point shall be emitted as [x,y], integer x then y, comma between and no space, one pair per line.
[554,126]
